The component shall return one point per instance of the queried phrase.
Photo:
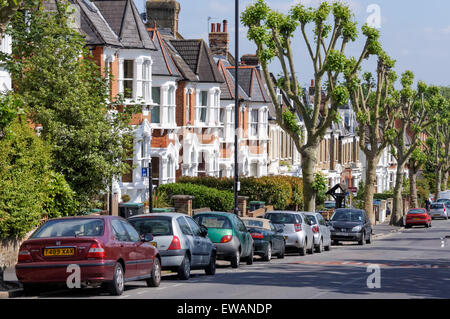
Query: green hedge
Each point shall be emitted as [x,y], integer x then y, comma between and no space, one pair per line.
[215,199]
[283,192]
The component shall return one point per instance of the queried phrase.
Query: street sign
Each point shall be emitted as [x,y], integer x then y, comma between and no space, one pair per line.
[144,172]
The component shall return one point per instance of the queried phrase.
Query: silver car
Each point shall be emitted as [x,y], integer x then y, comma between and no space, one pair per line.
[321,231]
[182,243]
[296,230]
[438,210]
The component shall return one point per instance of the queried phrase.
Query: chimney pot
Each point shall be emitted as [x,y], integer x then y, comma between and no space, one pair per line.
[218,27]
[312,83]
[213,27]
[225,26]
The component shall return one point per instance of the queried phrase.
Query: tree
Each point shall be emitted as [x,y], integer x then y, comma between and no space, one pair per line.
[414,117]
[375,113]
[415,164]
[7,10]
[333,27]
[89,138]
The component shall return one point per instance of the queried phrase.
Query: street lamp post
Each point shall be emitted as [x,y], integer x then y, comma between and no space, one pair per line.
[236,113]
[150,176]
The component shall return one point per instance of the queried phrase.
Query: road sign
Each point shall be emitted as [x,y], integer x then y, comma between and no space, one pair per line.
[144,172]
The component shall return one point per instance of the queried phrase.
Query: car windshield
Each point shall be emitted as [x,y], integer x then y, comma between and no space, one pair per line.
[416,211]
[87,227]
[437,206]
[254,223]
[330,204]
[280,218]
[347,216]
[213,221]
[157,226]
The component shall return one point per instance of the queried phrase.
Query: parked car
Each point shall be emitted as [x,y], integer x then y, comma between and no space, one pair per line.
[296,230]
[418,216]
[443,200]
[322,234]
[267,239]
[230,236]
[108,250]
[182,243]
[438,210]
[348,224]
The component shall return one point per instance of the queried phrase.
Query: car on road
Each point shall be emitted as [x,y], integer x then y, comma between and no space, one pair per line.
[231,238]
[107,250]
[321,231]
[296,230]
[268,240]
[417,216]
[182,243]
[438,210]
[349,224]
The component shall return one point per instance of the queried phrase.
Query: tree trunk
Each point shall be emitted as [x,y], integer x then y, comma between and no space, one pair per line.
[397,212]
[371,178]
[308,164]
[445,181]
[438,181]
[412,171]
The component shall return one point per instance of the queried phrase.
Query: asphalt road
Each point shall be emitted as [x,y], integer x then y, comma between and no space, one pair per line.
[412,263]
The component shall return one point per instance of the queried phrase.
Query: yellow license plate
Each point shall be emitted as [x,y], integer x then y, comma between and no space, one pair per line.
[50,252]
[154,243]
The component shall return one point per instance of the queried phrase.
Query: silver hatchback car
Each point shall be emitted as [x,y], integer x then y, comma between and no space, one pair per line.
[321,231]
[296,230]
[182,243]
[438,210]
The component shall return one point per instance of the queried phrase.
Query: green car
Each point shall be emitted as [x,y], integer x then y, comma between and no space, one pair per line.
[230,236]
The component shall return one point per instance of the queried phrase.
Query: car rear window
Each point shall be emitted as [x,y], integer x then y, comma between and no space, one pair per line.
[347,216]
[255,223]
[213,221]
[437,206]
[416,211]
[78,227]
[311,218]
[280,218]
[157,226]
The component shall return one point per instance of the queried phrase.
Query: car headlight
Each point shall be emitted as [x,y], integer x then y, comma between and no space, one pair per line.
[357,228]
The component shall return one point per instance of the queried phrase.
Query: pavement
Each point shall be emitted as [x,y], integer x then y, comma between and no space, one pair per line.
[379,231]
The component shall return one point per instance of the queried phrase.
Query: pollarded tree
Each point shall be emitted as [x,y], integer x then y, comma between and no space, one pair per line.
[415,164]
[375,113]
[333,29]
[416,109]
[7,10]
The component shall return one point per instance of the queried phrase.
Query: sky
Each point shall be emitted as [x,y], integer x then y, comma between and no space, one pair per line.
[416,33]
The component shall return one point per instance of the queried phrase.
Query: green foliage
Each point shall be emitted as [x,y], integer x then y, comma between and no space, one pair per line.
[204,196]
[88,144]
[10,106]
[282,192]
[320,185]
[24,180]
[61,200]
[291,122]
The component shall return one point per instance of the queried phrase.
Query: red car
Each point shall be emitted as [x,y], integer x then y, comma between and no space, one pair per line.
[418,216]
[107,249]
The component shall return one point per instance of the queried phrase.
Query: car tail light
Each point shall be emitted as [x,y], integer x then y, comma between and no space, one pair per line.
[315,229]
[175,244]
[226,239]
[24,256]
[257,236]
[298,227]
[96,251]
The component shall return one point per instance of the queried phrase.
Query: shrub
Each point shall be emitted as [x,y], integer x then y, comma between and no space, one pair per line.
[204,196]
[125,198]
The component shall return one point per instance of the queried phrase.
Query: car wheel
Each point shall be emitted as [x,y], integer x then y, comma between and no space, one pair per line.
[30,289]
[407,226]
[335,242]
[328,248]
[302,251]
[363,239]
[369,239]
[210,270]
[155,278]
[116,287]
[268,254]
[184,272]
[311,250]
[319,248]
[250,257]
[283,250]
[236,259]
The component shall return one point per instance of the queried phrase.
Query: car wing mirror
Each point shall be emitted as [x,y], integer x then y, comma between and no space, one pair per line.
[148,237]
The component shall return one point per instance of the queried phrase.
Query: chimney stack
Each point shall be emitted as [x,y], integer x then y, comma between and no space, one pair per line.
[219,40]
[164,13]
[250,59]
